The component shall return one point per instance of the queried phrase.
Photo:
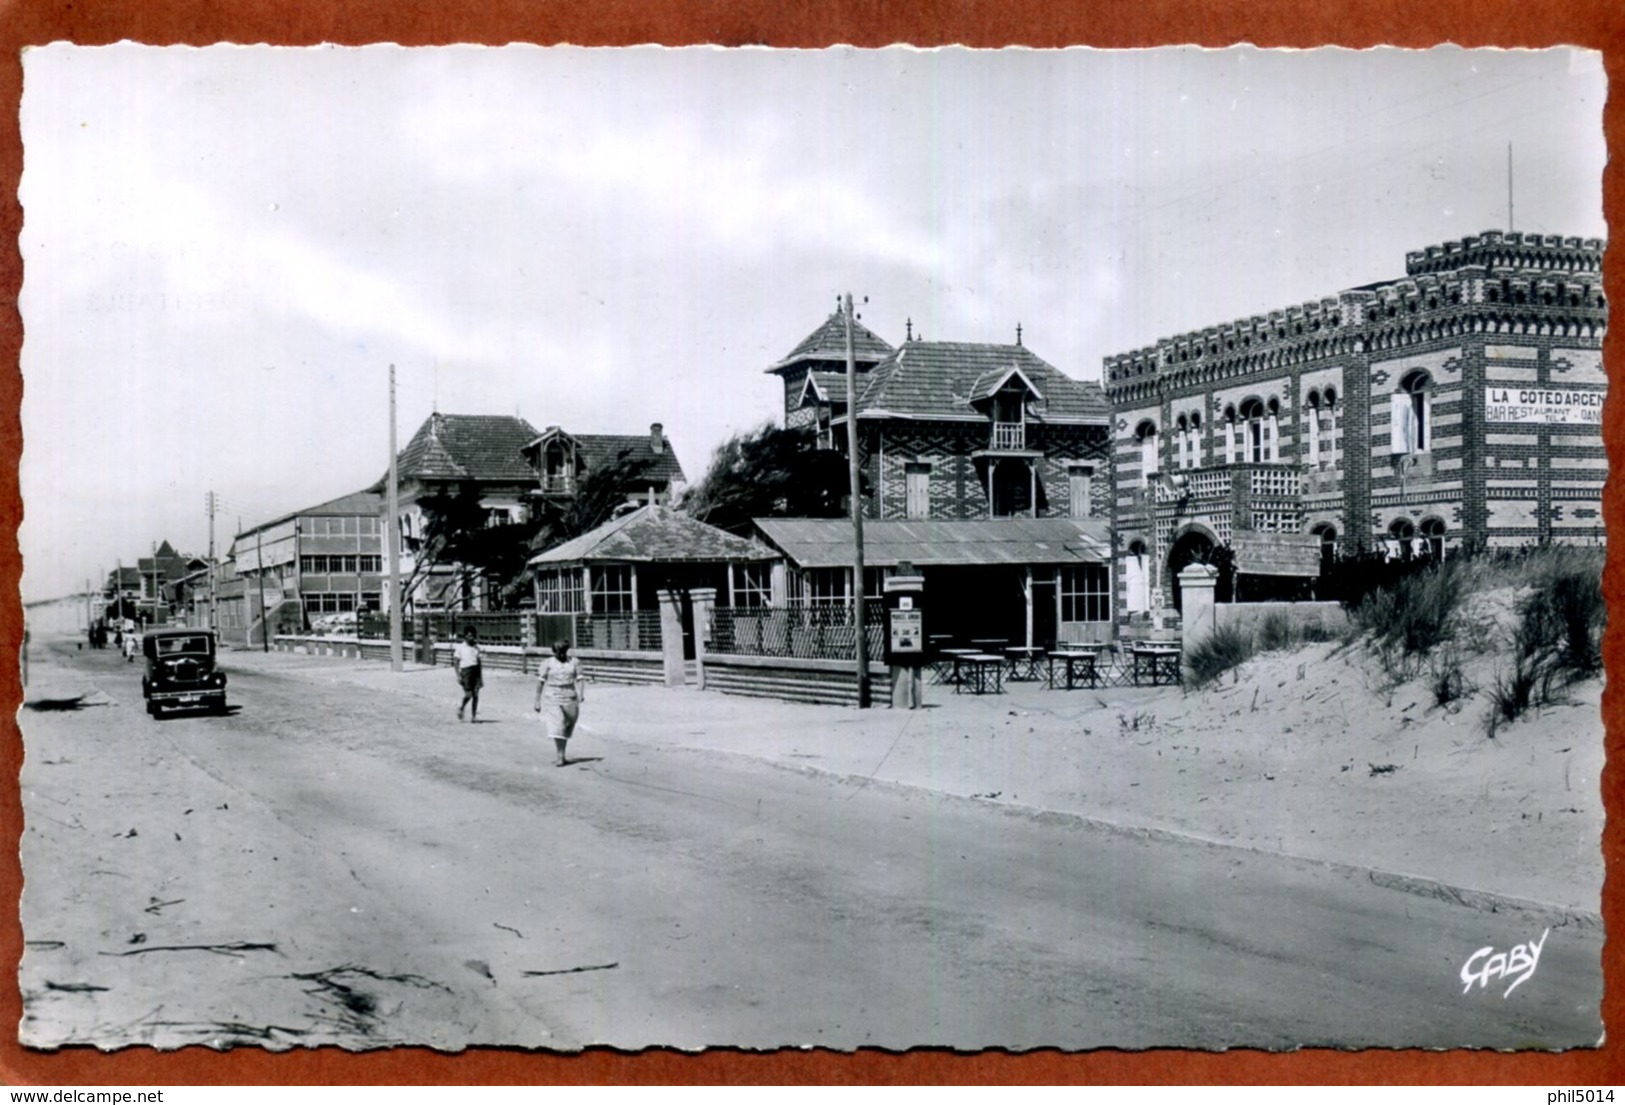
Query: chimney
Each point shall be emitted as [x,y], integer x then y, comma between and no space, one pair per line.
[657,438]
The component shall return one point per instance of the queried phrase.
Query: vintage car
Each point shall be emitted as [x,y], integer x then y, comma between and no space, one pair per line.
[180,670]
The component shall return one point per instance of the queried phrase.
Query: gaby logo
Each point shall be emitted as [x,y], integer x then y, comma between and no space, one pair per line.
[1487,963]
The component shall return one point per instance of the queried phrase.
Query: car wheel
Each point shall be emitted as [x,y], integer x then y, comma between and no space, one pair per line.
[153,708]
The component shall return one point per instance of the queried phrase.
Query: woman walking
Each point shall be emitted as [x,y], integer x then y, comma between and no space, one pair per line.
[469,676]
[559,694]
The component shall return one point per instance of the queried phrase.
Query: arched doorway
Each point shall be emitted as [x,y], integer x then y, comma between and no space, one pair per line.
[1136,579]
[1194,546]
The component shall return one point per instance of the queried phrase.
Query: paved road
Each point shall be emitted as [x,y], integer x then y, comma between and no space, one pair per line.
[330,865]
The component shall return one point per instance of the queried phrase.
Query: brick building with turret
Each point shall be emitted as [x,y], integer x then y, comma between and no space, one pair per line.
[1457,406]
[982,466]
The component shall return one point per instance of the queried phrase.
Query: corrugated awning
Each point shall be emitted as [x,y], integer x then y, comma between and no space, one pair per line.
[827,542]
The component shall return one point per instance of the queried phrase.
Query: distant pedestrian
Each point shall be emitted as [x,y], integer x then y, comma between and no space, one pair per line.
[469,676]
[560,688]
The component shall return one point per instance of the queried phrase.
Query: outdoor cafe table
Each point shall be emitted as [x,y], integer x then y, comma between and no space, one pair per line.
[1080,665]
[1158,661]
[946,669]
[1024,661]
[982,672]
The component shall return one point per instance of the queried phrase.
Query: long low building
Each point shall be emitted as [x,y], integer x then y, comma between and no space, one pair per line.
[1033,581]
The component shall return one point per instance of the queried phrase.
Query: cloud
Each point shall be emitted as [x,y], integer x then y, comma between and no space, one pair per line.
[749,187]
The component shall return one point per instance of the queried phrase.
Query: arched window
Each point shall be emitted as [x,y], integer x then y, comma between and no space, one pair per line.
[1230,435]
[1401,538]
[1196,440]
[1328,543]
[1410,426]
[1147,435]
[1253,447]
[1311,411]
[1272,427]
[1136,579]
[1328,428]
[1432,537]
[1182,429]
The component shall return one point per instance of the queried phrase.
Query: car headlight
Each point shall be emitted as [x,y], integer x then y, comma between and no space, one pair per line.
[219,679]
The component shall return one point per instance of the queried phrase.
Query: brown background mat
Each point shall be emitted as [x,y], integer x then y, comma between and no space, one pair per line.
[1596,24]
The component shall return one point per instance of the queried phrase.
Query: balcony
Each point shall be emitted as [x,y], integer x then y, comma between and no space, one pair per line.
[1009,436]
[1275,482]
[1253,496]
[558,483]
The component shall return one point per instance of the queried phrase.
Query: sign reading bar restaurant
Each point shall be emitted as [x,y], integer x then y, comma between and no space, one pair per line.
[1542,406]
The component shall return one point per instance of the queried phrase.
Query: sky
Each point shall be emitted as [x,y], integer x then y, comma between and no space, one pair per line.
[226,248]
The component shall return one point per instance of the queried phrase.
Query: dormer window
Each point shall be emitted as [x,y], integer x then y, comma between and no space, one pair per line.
[1009,419]
[1004,395]
[558,469]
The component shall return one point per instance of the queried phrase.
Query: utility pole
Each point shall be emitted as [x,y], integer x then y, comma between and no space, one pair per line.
[393,528]
[214,599]
[857,509]
[259,584]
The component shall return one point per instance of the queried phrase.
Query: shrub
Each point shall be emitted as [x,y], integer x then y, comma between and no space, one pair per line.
[1275,632]
[1556,641]
[1446,679]
[1419,611]
[1513,693]
[1576,604]
[1227,648]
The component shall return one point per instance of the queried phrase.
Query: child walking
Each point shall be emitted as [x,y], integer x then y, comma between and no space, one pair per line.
[469,676]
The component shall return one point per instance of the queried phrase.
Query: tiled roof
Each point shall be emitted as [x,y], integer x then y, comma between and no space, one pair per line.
[365,502]
[468,447]
[988,384]
[937,380]
[828,343]
[168,562]
[827,542]
[600,450]
[655,533]
[357,502]
[827,387]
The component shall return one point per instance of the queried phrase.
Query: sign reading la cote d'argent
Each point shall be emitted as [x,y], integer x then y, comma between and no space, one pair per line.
[1542,406]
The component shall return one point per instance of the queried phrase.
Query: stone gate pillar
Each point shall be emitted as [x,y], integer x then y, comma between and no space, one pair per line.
[1197,585]
[704,601]
[671,636]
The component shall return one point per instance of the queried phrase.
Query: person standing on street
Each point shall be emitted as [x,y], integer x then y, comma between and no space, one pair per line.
[559,694]
[469,677]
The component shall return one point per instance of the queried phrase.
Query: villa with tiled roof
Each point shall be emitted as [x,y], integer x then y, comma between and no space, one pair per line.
[561,460]
[984,468]
[962,430]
